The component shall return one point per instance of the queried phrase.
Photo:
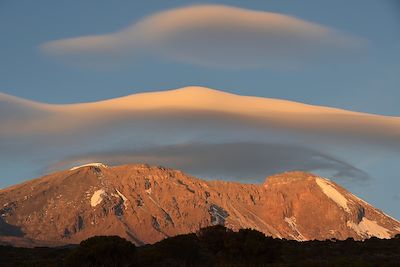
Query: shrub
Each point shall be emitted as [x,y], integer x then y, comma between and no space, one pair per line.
[102,251]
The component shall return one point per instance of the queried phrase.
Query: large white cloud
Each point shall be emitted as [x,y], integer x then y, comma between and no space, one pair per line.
[143,122]
[213,35]
[192,110]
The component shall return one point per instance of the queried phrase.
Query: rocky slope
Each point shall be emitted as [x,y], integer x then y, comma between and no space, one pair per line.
[146,204]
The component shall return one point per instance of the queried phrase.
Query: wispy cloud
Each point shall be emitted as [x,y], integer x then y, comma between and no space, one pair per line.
[213,35]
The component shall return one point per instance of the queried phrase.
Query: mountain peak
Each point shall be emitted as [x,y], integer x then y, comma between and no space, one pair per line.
[289,177]
[92,164]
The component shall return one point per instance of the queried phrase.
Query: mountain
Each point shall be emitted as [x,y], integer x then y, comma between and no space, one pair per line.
[145,204]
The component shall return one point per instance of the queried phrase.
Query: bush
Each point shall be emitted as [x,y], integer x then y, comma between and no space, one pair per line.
[102,251]
[181,250]
[213,237]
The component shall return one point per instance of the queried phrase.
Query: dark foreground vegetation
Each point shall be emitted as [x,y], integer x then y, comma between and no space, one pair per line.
[211,246]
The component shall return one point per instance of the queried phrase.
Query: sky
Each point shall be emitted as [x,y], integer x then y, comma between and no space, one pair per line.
[341,54]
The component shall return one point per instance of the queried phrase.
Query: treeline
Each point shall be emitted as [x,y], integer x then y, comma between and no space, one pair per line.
[211,246]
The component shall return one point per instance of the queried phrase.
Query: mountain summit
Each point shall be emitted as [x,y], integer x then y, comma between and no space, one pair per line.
[145,204]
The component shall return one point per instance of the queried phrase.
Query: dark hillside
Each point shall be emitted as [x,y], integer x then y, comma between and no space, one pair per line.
[211,246]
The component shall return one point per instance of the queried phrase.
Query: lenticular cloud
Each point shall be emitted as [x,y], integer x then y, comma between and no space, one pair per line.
[212,35]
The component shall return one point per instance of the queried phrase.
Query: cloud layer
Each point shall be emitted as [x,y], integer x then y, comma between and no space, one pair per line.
[242,161]
[194,111]
[213,35]
[200,130]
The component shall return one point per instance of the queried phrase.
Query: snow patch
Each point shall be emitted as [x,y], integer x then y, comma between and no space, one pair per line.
[97,197]
[218,215]
[330,191]
[148,191]
[292,224]
[123,198]
[291,221]
[367,228]
[94,164]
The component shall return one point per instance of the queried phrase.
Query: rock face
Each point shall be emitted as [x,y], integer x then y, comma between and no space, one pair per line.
[145,204]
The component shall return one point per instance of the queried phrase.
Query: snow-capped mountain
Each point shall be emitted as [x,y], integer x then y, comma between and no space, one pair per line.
[146,204]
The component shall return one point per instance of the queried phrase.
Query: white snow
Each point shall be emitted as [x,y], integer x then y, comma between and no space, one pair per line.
[329,189]
[216,212]
[97,197]
[94,164]
[368,228]
[123,198]
[292,223]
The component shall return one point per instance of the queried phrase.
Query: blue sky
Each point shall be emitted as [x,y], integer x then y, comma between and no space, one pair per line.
[365,83]
[364,80]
